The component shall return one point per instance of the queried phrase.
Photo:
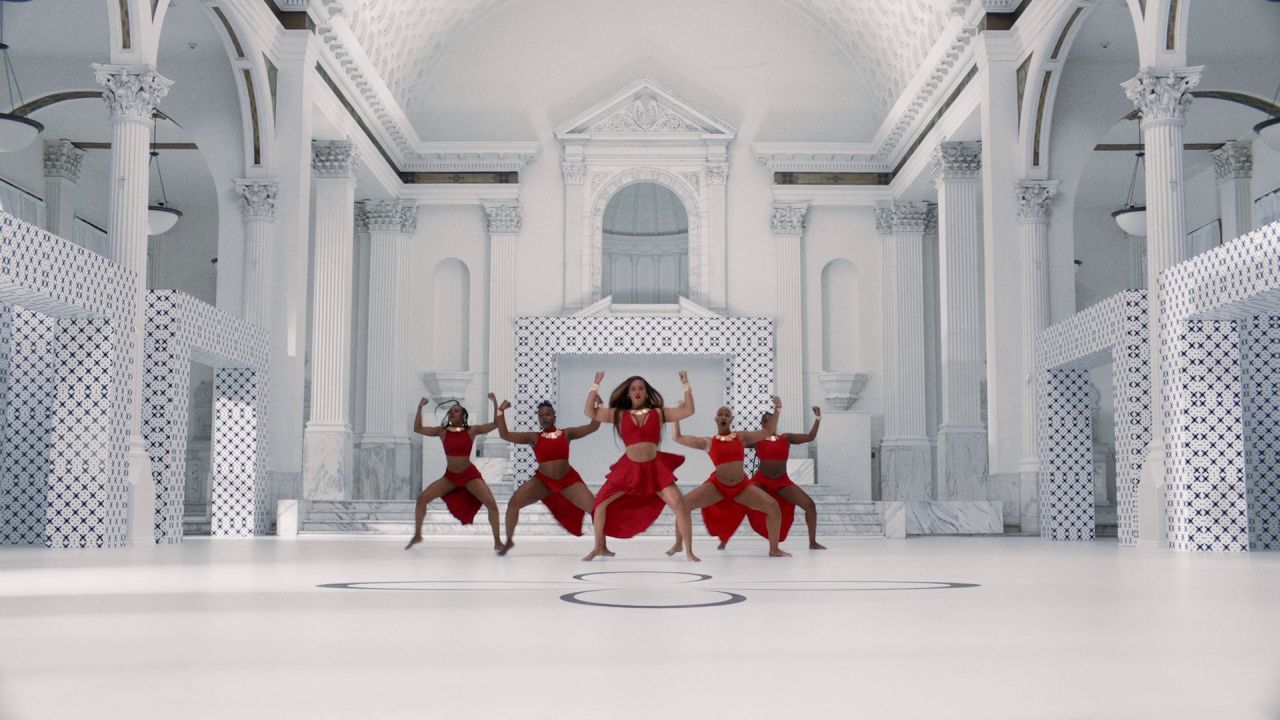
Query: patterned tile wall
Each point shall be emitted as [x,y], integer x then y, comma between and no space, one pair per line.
[64,478]
[1260,345]
[746,343]
[1114,330]
[182,330]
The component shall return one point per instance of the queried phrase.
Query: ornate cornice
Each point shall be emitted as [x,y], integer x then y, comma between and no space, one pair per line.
[257,197]
[957,160]
[503,219]
[408,218]
[645,114]
[1162,94]
[333,158]
[788,219]
[379,215]
[62,160]
[717,173]
[131,91]
[1233,160]
[1034,198]
[574,172]
[884,219]
[911,217]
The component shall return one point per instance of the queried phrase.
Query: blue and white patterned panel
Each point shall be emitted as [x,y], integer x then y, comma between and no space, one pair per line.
[1208,304]
[1113,330]
[6,330]
[1260,345]
[745,342]
[62,395]
[182,330]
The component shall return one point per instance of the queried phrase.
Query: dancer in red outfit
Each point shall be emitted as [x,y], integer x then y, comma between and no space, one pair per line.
[555,482]
[727,495]
[772,476]
[643,479]
[462,486]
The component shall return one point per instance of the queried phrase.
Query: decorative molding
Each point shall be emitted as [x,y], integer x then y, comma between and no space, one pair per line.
[820,157]
[408,217]
[884,220]
[1034,198]
[502,218]
[842,390]
[911,217]
[131,91]
[645,114]
[1162,95]
[574,172]
[62,159]
[257,197]
[334,158]
[1232,160]
[470,157]
[379,215]
[788,219]
[644,107]
[957,160]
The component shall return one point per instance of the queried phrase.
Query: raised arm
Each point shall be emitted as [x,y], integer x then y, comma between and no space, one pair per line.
[751,437]
[418,427]
[693,441]
[499,417]
[800,439]
[582,431]
[596,409]
[685,408]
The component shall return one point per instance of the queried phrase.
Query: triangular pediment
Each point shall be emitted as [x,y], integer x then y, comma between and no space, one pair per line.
[644,108]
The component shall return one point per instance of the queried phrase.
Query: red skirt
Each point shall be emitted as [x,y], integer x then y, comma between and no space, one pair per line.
[566,513]
[723,517]
[461,503]
[639,482]
[757,518]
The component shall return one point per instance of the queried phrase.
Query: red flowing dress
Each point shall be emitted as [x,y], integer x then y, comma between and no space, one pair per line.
[723,517]
[461,503]
[774,448]
[550,447]
[639,482]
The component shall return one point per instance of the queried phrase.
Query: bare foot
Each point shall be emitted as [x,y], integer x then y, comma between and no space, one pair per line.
[779,553]
[721,546]
[595,552]
[607,552]
[816,546]
[413,541]
[692,558]
[674,549]
[502,549]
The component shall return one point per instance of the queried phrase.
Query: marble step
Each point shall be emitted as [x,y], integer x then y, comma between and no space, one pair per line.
[533,514]
[405,529]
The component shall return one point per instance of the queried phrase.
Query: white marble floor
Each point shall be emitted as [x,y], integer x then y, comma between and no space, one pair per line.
[869,628]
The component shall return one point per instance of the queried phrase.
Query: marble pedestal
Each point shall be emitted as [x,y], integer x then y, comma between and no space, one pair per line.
[906,470]
[962,463]
[382,471]
[327,463]
[958,517]
[844,454]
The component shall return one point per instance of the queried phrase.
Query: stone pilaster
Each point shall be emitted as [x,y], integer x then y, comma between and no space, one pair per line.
[962,437]
[132,93]
[1162,96]
[906,456]
[258,206]
[61,172]
[504,221]
[1233,164]
[1034,198]
[787,223]
[327,444]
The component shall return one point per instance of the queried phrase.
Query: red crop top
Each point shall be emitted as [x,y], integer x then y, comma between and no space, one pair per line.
[649,432]
[548,448]
[725,448]
[456,444]
[774,448]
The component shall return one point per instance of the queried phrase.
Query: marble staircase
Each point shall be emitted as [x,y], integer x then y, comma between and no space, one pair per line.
[838,515]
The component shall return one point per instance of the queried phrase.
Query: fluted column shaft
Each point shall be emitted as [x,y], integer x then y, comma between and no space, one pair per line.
[504,230]
[258,204]
[383,219]
[787,223]
[1233,165]
[61,171]
[1034,199]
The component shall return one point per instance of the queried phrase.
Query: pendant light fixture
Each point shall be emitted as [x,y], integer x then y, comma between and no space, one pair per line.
[16,131]
[1133,218]
[160,217]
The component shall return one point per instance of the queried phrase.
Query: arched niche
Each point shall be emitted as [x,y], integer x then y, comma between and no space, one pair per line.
[451,316]
[652,262]
[839,316]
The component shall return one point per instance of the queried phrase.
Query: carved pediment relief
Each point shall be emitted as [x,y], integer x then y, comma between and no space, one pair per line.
[644,107]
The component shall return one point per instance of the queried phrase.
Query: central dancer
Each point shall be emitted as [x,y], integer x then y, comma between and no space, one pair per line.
[643,479]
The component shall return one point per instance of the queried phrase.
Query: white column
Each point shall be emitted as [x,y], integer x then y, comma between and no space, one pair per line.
[504,221]
[405,402]
[906,456]
[258,204]
[61,171]
[576,286]
[1162,95]
[1233,164]
[717,234]
[1033,225]
[327,451]
[962,437]
[132,93]
[787,223]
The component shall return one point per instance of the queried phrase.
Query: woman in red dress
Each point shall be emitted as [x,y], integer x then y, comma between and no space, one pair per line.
[727,495]
[555,482]
[772,452]
[643,479]
[462,487]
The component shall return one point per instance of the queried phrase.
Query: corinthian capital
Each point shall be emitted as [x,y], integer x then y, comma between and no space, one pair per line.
[884,219]
[503,219]
[911,217]
[62,159]
[574,172]
[1034,197]
[1162,94]
[379,215]
[957,160]
[257,197]
[788,219]
[1233,160]
[333,158]
[408,218]
[131,91]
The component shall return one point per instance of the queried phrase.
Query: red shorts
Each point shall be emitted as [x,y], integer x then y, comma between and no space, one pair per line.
[566,513]
[772,486]
[461,503]
[723,517]
[639,483]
